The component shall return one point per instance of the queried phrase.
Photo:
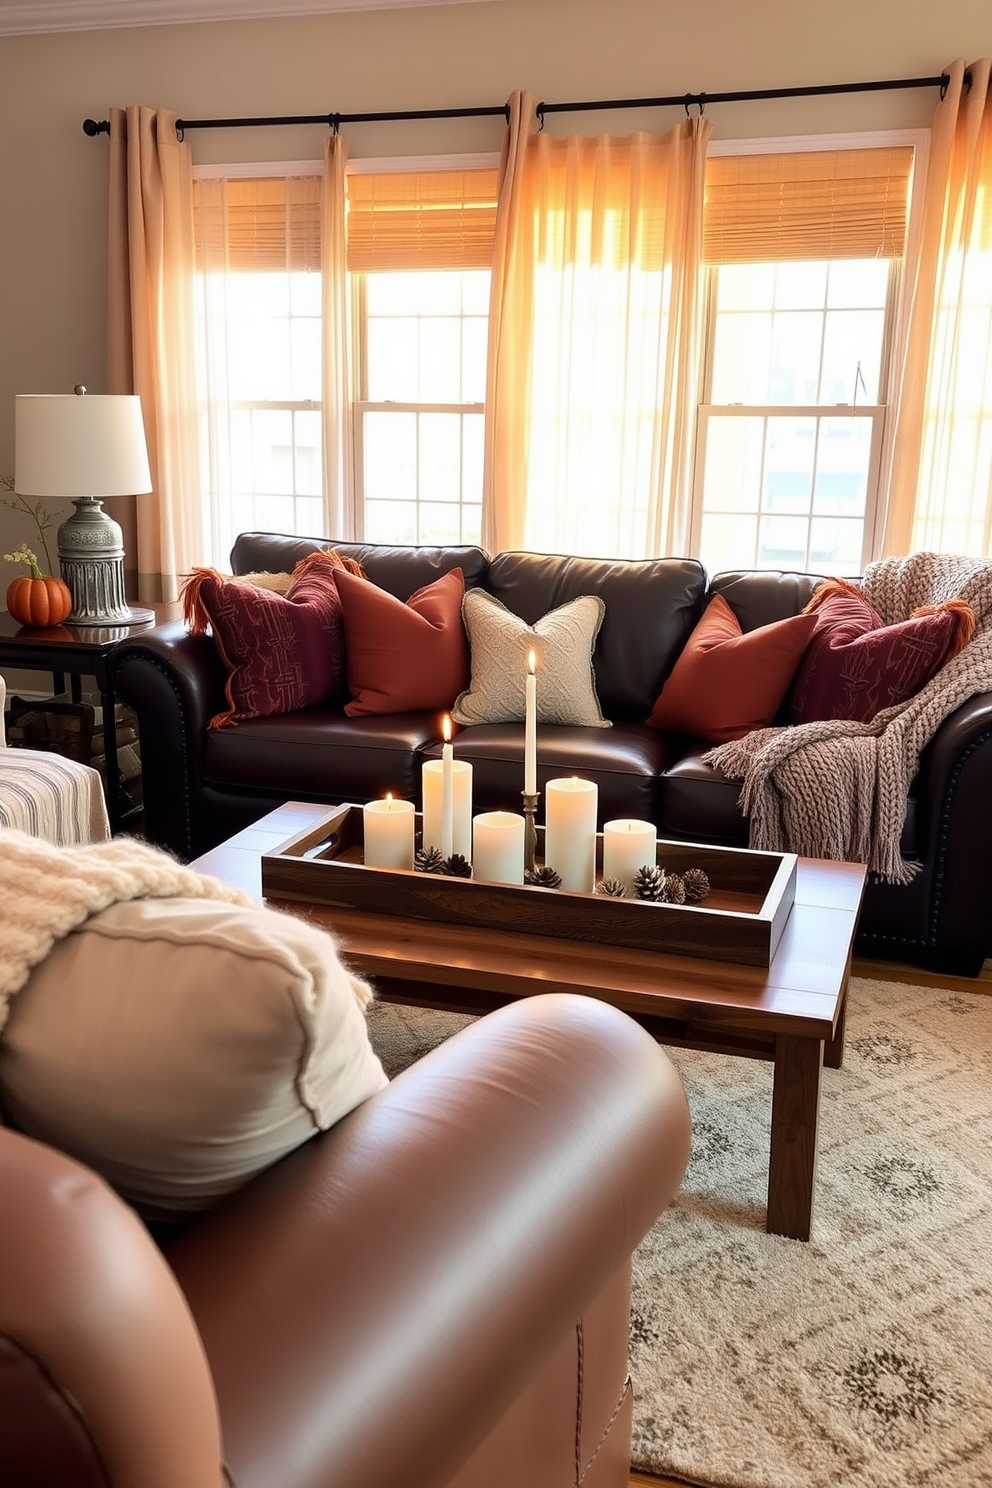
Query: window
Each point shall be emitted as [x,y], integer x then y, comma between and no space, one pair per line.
[804,252]
[419,249]
[419,417]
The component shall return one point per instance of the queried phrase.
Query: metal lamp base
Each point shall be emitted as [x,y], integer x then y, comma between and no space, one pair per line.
[91,555]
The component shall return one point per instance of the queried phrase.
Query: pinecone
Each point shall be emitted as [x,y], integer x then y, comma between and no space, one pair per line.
[674,889]
[649,883]
[457,866]
[543,878]
[428,860]
[616,888]
[697,885]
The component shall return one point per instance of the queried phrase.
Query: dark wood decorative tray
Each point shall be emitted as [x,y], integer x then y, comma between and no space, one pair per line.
[741,919]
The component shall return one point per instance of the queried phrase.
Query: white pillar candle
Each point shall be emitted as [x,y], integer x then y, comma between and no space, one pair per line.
[570,832]
[431,778]
[388,833]
[530,727]
[498,847]
[627,846]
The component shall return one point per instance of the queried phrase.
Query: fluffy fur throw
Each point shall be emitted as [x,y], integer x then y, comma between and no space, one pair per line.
[46,891]
[838,789]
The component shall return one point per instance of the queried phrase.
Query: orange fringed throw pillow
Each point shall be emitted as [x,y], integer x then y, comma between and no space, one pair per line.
[282,652]
[856,665]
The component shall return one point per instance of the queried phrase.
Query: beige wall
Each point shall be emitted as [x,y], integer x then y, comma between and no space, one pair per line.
[52,233]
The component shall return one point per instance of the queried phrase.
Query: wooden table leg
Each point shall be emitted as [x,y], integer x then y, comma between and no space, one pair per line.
[833,1053]
[795,1112]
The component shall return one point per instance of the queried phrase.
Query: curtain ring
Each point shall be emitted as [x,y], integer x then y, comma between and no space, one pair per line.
[334,124]
[180,131]
[701,100]
[686,102]
[945,83]
[539,111]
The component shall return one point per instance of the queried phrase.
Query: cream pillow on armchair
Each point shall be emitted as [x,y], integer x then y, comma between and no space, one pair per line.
[179,1046]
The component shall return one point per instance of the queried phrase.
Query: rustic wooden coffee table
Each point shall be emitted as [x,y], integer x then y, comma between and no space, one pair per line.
[791,1012]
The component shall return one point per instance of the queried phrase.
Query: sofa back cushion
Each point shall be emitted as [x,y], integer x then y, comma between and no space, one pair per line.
[758,597]
[398,570]
[652,606]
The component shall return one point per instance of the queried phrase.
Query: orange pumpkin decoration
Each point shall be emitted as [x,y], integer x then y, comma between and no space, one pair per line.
[38,599]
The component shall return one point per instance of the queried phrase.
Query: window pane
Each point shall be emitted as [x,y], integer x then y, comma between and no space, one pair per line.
[733,464]
[305,294]
[272,451]
[475,340]
[745,287]
[782,543]
[392,351]
[852,341]
[728,542]
[842,464]
[390,522]
[858,283]
[390,446]
[306,354]
[789,454]
[473,440]
[440,361]
[440,462]
[309,455]
[835,547]
[795,358]
[800,285]
[741,357]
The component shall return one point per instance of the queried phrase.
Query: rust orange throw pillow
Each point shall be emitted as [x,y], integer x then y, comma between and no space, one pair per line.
[404,658]
[282,652]
[727,682]
[856,665]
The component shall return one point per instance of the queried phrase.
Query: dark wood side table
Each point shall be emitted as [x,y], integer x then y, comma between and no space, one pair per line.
[80,650]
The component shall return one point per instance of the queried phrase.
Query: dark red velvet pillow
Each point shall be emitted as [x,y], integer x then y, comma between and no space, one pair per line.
[282,652]
[856,665]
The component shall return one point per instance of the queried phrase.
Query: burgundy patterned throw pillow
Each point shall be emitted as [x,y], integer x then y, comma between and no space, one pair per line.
[282,652]
[856,665]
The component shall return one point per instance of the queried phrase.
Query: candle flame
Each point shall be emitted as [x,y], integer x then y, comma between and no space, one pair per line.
[531,662]
[389,800]
[446,728]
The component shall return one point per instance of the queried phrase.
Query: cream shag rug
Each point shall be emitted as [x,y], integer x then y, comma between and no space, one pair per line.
[864,1358]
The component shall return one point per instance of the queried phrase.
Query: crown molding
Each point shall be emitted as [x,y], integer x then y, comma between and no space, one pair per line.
[24,17]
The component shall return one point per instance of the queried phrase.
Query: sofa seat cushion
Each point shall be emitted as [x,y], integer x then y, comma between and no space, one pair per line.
[698,803]
[322,753]
[623,762]
[180,1046]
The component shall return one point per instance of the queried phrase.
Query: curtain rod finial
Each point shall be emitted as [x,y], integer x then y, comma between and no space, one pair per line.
[93,128]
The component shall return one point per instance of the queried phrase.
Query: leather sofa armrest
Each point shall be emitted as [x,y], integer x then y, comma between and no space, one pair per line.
[174,681]
[376,1300]
[103,1379]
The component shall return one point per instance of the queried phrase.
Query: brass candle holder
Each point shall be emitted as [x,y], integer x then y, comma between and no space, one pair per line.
[530,800]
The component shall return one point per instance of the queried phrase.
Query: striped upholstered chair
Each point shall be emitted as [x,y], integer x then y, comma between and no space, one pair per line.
[49,796]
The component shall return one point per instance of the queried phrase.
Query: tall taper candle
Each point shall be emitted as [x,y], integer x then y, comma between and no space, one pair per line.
[447,790]
[530,727]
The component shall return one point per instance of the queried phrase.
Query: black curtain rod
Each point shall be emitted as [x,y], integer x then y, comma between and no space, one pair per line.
[333,121]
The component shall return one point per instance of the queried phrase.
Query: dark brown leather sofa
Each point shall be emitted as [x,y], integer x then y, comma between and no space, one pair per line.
[203,785]
[434,1293]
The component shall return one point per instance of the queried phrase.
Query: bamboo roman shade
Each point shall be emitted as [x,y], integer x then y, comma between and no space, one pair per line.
[421,220]
[811,204]
[272,223]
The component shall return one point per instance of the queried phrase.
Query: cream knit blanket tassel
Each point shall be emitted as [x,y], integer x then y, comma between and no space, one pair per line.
[839,789]
[47,891]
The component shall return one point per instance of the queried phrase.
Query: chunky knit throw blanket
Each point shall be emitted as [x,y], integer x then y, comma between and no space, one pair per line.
[838,789]
[46,891]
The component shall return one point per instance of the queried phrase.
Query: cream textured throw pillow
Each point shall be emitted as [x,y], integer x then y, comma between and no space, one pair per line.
[563,641]
[180,1046]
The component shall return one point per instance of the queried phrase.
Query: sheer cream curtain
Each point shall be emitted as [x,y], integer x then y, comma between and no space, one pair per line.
[941,487]
[340,513]
[151,333]
[593,374]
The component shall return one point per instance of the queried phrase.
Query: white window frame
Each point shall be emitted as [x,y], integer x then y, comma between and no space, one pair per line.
[897,311]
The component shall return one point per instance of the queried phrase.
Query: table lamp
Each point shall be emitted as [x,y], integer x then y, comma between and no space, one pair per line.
[85,447]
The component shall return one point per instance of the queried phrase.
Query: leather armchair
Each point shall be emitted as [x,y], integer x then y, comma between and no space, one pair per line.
[434,1292]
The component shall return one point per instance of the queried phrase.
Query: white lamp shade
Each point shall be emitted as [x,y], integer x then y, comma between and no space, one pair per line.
[79,444]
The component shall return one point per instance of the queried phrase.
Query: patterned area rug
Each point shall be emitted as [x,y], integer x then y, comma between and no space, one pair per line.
[864,1357]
